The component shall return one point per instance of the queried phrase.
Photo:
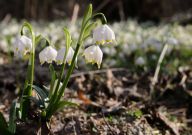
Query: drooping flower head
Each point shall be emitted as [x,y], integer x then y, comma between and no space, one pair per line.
[61,54]
[48,54]
[93,54]
[140,61]
[22,46]
[103,35]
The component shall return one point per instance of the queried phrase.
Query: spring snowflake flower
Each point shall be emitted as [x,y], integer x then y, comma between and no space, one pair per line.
[22,46]
[140,61]
[172,41]
[103,35]
[93,54]
[48,54]
[61,53]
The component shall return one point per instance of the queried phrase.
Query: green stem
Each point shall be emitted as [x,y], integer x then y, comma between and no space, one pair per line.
[50,109]
[30,75]
[53,98]
[32,67]
[65,82]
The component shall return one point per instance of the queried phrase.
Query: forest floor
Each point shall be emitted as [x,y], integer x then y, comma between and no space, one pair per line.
[111,101]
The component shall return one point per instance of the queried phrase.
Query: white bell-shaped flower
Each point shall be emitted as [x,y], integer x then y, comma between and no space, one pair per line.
[140,61]
[48,54]
[110,35]
[61,54]
[93,54]
[22,46]
[103,35]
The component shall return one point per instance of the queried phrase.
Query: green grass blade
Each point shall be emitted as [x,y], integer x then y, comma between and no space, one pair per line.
[12,118]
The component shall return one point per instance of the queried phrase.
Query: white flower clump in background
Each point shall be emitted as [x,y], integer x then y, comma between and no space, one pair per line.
[127,33]
[140,61]
[172,41]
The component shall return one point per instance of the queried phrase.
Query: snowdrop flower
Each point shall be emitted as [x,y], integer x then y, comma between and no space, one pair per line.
[153,43]
[22,46]
[172,41]
[61,54]
[103,35]
[48,54]
[140,61]
[93,54]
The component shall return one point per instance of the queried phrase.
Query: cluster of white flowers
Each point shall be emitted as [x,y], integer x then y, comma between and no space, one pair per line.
[22,46]
[101,35]
[93,54]
[49,55]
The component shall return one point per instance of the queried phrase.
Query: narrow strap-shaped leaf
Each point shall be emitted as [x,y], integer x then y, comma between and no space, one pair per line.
[63,104]
[41,92]
[3,123]
[12,118]
[88,29]
[67,38]
[3,126]
[37,39]
[88,14]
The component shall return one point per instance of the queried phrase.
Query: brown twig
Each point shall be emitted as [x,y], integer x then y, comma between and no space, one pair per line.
[97,72]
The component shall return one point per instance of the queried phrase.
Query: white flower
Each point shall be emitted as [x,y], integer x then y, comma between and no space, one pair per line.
[140,61]
[152,43]
[103,35]
[172,41]
[22,46]
[93,54]
[61,54]
[48,54]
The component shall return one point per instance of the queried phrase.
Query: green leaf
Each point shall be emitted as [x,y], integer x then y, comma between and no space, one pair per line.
[37,39]
[53,78]
[12,118]
[87,14]
[41,92]
[88,29]
[3,123]
[3,126]
[67,38]
[63,104]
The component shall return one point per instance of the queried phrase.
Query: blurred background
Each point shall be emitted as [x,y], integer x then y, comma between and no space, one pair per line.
[115,10]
